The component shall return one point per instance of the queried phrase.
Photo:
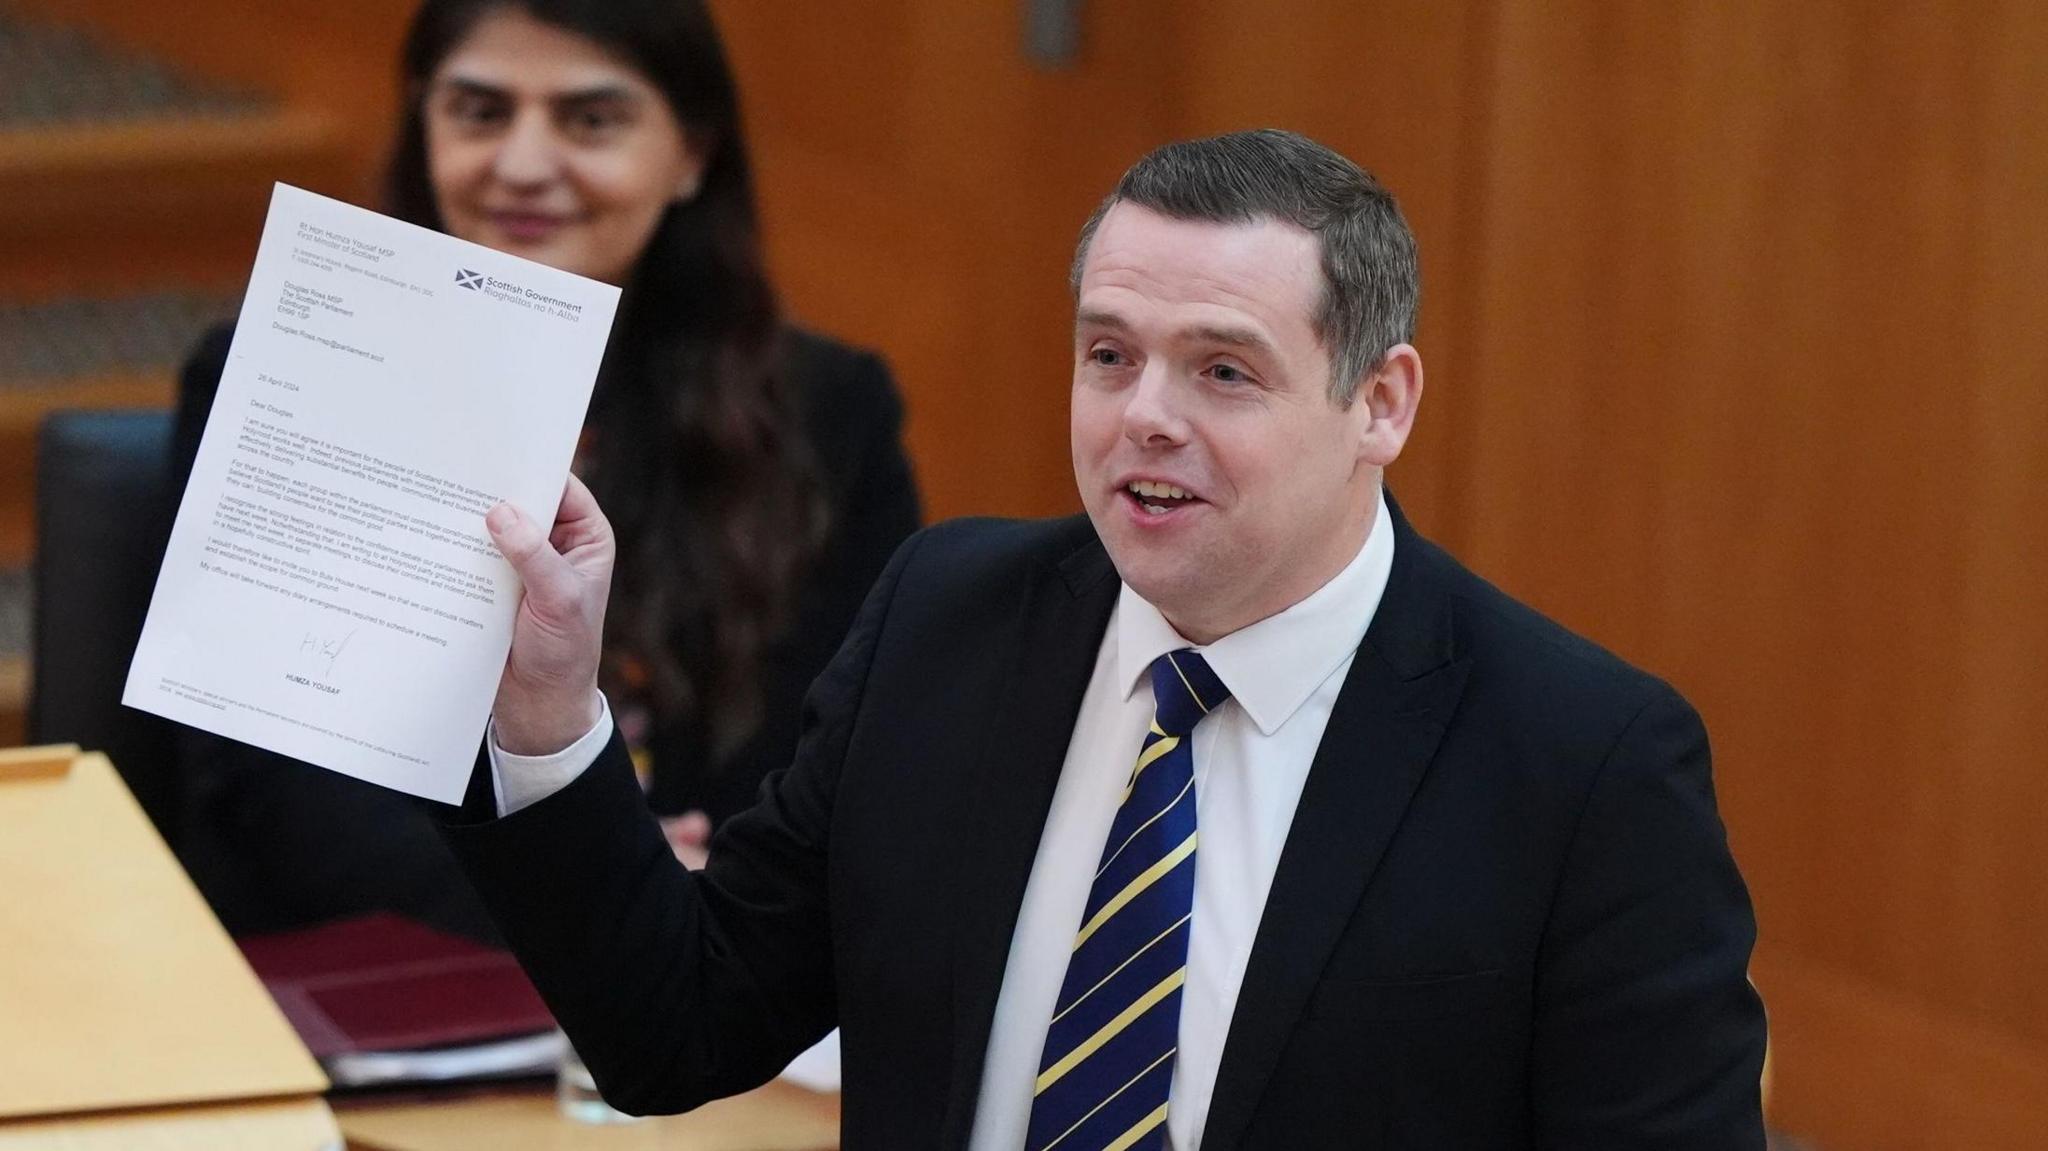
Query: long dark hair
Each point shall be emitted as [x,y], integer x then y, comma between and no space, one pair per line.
[697,452]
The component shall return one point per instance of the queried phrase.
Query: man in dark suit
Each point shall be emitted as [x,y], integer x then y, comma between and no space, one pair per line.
[1235,814]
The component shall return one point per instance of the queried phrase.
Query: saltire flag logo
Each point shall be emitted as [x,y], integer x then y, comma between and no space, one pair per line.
[474,281]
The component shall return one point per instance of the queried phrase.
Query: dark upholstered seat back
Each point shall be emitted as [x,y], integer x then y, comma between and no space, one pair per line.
[102,517]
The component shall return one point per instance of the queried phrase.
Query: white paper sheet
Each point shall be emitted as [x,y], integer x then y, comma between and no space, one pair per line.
[817,1069]
[330,591]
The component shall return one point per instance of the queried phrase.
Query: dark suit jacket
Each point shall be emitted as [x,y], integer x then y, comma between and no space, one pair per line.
[275,843]
[1506,915]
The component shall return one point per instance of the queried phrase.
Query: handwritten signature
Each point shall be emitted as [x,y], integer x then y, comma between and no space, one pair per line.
[324,647]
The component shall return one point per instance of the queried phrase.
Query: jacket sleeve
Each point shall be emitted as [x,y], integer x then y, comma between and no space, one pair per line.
[677,987]
[1648,1033]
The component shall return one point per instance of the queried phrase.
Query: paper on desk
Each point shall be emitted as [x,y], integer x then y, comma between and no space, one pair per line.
[494,1059]
[330,591]
[817,1068]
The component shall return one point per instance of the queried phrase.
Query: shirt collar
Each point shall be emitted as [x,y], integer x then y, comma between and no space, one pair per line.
[1274,665]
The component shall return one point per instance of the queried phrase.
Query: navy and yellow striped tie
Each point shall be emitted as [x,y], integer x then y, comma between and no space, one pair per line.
[1108,1062]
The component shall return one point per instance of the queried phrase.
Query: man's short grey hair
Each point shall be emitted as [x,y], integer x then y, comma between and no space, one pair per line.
[1372,283]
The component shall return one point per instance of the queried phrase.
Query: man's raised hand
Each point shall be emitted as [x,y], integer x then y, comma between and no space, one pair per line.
[547,698]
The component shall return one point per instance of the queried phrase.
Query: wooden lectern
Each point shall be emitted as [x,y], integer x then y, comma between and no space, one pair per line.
[127,1017]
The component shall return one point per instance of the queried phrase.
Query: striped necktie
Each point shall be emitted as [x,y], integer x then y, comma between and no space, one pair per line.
[1108,1062]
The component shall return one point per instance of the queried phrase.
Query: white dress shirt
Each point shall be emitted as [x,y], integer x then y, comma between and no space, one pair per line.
[524,780]
[1252,757]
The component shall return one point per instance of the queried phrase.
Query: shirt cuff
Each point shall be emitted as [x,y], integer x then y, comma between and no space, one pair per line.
[520,781]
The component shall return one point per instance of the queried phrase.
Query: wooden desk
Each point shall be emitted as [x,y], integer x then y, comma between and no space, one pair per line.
[127,1017]
[778,1117]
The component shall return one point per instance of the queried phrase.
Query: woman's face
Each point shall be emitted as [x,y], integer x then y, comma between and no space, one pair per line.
[543,144]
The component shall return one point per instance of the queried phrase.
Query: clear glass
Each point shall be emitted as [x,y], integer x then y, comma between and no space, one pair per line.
[576,1092]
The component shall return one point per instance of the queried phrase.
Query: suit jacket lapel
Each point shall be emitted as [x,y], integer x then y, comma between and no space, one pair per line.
[1024,747]
[1396,702]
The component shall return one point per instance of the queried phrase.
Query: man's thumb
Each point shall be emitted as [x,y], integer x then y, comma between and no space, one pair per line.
[526,547]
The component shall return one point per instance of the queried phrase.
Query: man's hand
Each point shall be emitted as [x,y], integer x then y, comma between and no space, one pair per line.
[547,698]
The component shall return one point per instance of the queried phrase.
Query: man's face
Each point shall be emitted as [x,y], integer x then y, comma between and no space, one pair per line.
[1224,481]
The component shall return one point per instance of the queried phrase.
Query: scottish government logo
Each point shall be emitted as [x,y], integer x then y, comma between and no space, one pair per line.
[474,281]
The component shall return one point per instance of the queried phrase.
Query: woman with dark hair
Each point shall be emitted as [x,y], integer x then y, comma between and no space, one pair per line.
[754,472]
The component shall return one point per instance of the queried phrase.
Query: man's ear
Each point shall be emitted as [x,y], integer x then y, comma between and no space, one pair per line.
[1390,394]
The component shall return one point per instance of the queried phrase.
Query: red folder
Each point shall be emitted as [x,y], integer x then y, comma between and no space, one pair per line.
[385,983]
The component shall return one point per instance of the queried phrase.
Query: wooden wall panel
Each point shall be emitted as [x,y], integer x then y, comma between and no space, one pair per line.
[923,185]
[1402,89]
[933,213]
[2000,871]
[1733,320]
[1758,361]
[1864,1065]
